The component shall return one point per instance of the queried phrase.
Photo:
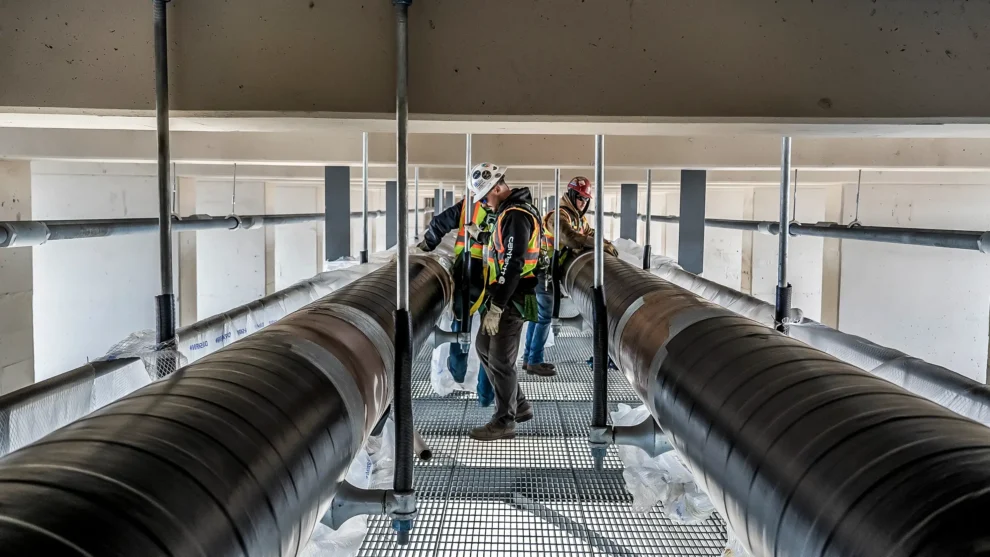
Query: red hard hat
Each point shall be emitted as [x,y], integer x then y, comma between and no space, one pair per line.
[582,186]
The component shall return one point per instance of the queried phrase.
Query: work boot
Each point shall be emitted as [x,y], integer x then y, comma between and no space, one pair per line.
[493,431]
[524,412]
[543,369]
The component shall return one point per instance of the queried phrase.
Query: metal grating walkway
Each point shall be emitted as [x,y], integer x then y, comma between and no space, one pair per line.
[537,494]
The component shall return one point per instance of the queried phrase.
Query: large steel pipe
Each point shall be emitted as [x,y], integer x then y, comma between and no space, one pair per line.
[236,454]
[803,454]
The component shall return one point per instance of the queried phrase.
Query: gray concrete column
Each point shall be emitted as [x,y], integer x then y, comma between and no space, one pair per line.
[691,237]
[337,223]
[628,207]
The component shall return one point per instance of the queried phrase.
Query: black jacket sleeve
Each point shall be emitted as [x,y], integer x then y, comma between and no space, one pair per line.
[440,225]
[517,227]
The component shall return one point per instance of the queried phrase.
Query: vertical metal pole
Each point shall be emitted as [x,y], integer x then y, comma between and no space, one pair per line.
[233,193]
[599,405]
[164,303]
[539,197]
[402,517]
[464,334]
[649,214]
[364,197]
[783,305]
[555,264]
[647,248]
[416,222]
[175,193]
[599,210]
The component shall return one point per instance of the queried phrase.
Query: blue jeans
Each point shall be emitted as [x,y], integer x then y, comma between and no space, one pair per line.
[537,333]
[457,364]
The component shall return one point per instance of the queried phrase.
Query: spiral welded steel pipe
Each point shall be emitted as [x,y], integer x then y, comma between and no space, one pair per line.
[236,454]
[803,454]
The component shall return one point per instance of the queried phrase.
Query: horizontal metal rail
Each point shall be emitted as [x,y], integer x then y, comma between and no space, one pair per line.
[14,234]
[972,240]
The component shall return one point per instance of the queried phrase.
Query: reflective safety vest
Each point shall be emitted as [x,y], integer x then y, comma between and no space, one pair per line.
[478,218]
[496,246]
[578,223]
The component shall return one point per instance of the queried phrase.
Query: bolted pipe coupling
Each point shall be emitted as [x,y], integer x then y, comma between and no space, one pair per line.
[14,234]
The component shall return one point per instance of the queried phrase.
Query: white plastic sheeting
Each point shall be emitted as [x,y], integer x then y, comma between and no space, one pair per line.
[666,480]
[662,479]
[372,468]
[31,413]
[936,383]
[211,334]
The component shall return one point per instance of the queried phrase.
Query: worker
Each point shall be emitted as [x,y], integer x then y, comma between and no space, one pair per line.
[576,236]
[514,258]
[478,232]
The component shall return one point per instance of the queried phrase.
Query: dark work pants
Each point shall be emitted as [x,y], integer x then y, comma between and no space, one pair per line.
[498,356]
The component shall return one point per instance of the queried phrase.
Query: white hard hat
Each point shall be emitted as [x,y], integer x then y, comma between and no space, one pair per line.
[484,176]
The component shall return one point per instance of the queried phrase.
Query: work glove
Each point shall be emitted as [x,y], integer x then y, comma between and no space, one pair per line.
[489,325]
[424,246]
[474,230]
[610,249]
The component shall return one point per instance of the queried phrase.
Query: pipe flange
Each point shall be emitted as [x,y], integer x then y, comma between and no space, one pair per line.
[24,234]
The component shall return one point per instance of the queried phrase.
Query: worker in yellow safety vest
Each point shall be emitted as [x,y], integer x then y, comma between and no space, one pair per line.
[475,235]
[515,261]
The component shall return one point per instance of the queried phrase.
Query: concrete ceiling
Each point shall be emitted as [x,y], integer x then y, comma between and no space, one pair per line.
[553,66]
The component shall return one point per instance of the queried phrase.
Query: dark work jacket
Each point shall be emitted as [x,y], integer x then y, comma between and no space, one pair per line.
[518,226]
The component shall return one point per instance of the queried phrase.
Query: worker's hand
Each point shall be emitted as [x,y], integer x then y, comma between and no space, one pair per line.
[474,230]
[610,249]
[489,325]
[424,246]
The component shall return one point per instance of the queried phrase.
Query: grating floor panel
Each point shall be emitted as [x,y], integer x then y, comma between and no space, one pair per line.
[537,494]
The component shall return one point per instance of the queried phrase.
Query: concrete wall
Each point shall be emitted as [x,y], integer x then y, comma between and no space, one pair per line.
[91,293]
[723,248]
[230,266]
[931,303]
[16,287]
[780,59]
[296,245]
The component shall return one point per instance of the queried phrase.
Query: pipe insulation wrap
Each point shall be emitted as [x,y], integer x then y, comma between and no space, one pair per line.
[236,454]
[803,454]
[210,334]
[936,383]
